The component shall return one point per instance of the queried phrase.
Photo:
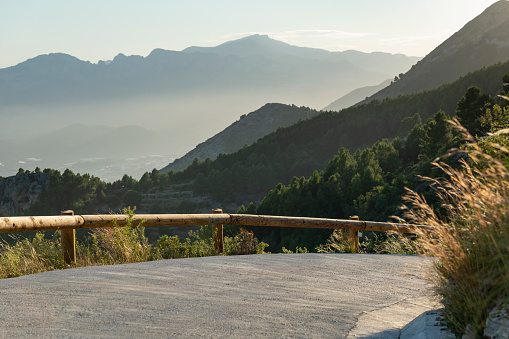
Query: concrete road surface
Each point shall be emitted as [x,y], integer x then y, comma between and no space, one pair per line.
[265,296]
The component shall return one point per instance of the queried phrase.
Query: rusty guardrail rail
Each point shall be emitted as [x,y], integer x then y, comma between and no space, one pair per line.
[67,223]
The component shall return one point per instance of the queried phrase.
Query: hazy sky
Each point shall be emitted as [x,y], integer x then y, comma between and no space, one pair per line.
[98,30]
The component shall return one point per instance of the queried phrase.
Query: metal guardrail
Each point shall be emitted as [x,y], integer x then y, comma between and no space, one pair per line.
[68,223]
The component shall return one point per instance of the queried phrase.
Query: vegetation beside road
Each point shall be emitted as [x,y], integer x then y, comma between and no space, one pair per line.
[465,195]
[116,245]
[471,237]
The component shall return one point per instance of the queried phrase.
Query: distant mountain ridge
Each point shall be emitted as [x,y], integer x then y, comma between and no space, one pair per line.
[244,131]
[482,42]
[263,45]
[249,62]
[356,96]
[189,96]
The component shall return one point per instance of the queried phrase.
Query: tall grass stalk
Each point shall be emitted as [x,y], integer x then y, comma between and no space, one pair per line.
[116,245]
[470,239]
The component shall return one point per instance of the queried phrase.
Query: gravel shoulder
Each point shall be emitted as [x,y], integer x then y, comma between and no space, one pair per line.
[269,296]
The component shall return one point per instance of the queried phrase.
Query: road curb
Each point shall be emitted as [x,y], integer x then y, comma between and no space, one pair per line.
[428,325]
[387,322]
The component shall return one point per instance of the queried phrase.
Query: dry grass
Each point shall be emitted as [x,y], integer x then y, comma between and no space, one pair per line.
[338,242]
[243,243]
[470,240]
[116,245]
[29,256]
[371,242]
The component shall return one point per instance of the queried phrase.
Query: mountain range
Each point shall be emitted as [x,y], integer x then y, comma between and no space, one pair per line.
[480,43]
[185,97]
[176,100]
[255,63]
[288,152]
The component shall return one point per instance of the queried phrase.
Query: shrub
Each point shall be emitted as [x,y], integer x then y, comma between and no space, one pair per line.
[198,244]
[470,240]
[28,256]
[243,243]
[115,245]
[371,242]
[338,242]
[297,250]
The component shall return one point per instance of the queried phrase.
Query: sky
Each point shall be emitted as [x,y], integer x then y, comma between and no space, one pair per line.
[99,30]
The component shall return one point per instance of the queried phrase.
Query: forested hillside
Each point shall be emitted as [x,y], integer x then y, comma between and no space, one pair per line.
[370,182]
[367,182]
[244,131]
[308,145]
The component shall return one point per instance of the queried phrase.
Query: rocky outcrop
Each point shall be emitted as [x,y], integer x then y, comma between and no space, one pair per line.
[19,192]
[497,324]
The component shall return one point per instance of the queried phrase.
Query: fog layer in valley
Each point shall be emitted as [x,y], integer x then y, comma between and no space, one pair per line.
[69,113]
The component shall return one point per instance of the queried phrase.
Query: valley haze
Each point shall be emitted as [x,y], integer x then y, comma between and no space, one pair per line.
[166,103]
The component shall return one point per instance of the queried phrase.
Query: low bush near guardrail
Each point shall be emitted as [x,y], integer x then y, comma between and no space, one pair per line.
[372,242]
[28,256]
[115,245]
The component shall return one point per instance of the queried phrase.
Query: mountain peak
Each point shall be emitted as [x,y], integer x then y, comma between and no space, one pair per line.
[252,38]
[256,36]
[123,59]
[54,58]
[249,45]
[160,53]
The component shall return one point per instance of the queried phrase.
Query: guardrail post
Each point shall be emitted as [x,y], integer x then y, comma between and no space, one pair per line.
[68,241]
[218,233]
[354,236]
